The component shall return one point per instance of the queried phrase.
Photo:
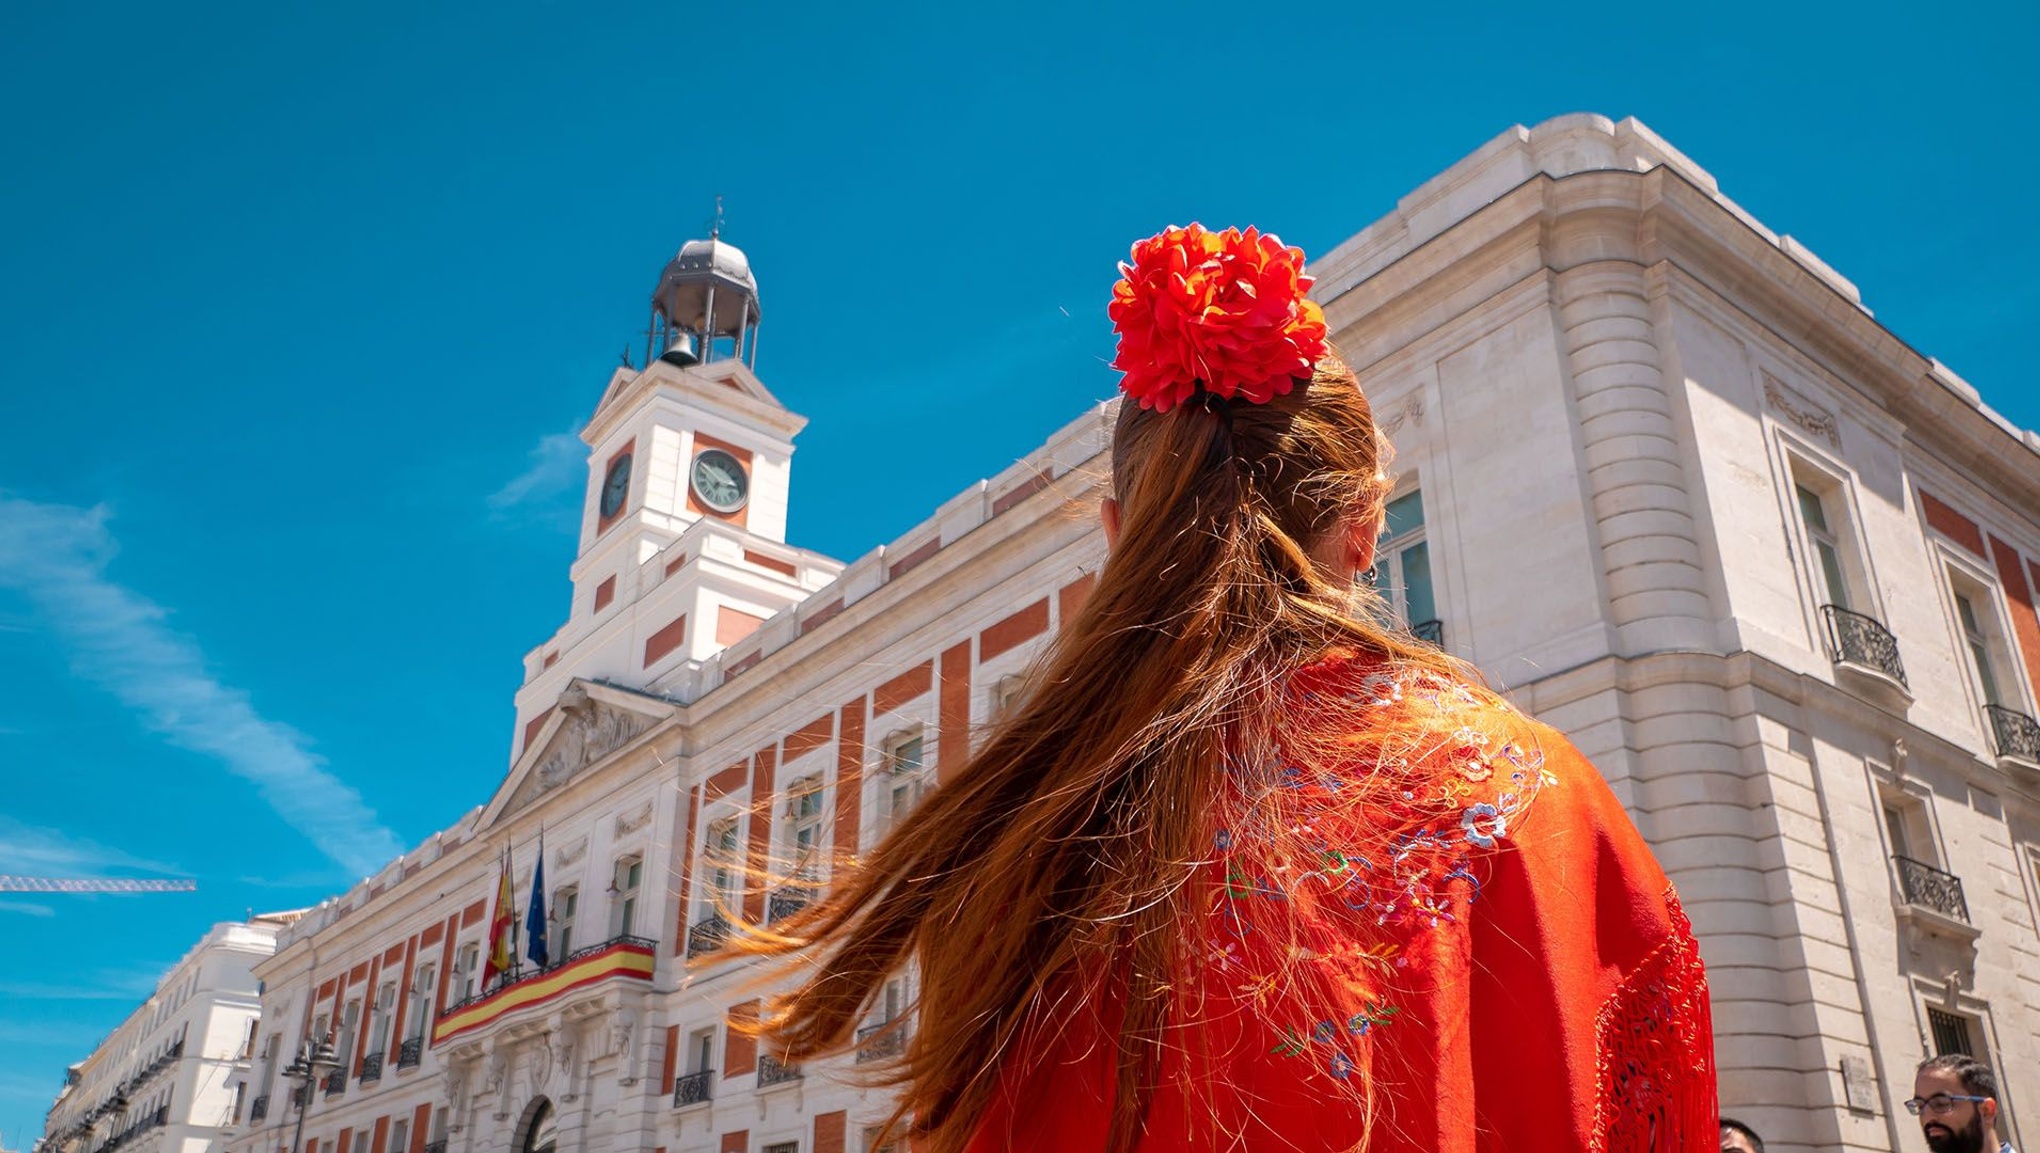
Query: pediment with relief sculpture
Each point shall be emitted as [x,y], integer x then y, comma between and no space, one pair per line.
[589,724]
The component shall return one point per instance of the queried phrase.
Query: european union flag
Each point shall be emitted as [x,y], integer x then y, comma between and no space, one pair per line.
[534,915]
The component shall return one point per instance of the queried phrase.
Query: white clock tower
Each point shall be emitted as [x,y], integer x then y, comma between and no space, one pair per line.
[683,529]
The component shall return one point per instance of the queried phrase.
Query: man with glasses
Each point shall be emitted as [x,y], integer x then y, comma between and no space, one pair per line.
[1955,1098]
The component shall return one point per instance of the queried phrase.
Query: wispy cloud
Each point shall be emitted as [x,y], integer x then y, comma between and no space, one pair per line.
[117,639]
[128,984]
[27,908]
[554,468]
[36,851]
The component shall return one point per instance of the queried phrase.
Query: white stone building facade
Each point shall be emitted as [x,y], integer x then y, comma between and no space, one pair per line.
[1660,474]
[167,1079]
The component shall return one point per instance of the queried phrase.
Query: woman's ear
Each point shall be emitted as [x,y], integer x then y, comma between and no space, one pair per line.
[1108,516]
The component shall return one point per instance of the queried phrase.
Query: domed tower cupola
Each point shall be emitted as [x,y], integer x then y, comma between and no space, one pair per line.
[705,307]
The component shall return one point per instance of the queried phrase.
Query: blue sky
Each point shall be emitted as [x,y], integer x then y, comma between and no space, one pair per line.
[300,308]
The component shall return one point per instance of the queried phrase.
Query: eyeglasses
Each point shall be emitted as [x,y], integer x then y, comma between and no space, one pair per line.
[1938,1104]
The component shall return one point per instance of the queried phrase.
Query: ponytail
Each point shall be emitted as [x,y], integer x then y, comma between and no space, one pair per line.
[1057,863]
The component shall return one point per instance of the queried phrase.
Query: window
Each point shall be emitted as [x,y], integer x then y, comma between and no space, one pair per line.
[344,1047]
[1898,825]
[468,964]
[723,875]
[805,807]
[1402,566]
[1951,1032]
[566,901]
[1008,695]
[905,773]
[399,1130]
[385,1006]
[1981,641]
[422,988]
[361,1141]
[701,1051]
[783,1147]
[1831,585]
[630,874]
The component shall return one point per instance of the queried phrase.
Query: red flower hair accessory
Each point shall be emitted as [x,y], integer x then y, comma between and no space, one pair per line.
[1221,311]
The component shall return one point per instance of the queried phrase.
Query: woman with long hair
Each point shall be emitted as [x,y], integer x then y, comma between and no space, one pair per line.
[1251,869]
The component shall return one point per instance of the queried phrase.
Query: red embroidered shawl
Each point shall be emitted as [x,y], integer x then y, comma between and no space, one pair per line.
[1487,942]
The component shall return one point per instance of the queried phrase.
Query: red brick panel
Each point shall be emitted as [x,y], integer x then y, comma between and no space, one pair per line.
[346,1142]
[763,764]
[445,970]
[953,743]
[367,1010]
[763,561]
[672,1054]
[849,777]
[726,782]
[740,1050]
[420,1119]
[379,1141]
[536,723]
[903,688]
[403,1007]
[311,1145]
[665,640]
[2019,600]
[676,564]
[811,736]
[1017,629]
[733,625]
[820,616]
[921,552]
[736,1142]
[1951,524]
[830,1132]
[358,974]
[687,868]
[473,914]
[1020,492]
[1070,600]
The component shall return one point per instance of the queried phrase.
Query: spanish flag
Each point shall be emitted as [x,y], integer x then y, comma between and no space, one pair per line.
[502,953]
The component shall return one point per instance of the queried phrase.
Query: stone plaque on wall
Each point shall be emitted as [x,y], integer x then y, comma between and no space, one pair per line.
[1860,1086]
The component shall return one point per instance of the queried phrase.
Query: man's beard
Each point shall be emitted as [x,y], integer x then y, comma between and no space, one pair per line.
[1968,1139]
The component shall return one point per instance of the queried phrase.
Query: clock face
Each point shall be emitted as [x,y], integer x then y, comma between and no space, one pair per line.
[616,485]
[719,481]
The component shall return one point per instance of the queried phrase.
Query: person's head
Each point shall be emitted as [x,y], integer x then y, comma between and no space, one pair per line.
[1737,1137]
[1955,1098]
[1053,862]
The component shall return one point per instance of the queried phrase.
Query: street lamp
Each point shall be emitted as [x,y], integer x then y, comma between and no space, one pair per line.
[304,1071]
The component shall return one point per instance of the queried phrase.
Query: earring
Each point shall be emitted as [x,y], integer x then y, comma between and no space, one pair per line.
[1370,578]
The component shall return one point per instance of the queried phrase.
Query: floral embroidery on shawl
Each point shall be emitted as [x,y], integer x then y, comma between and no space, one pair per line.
[1395,850]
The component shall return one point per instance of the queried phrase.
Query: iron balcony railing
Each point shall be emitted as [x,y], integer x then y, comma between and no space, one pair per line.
[772,1072]
[1862,640]
[438,1146]
[258,1108]
[336,1081]
[707,935]
[693,1088]
[370,1068]
[1430,632]
[881,1042]
[409,1054]
[2013,733]
[785,902]
[1930,888]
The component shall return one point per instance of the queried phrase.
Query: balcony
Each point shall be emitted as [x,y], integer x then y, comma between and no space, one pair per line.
[787,901]
[2015,736]
[336,1082]
[258,1109]
[1866,657]
[625,957]
[409,1054]
[1931,902]
[707,935]
[693,1089]
[884,1042]
[438,1146]
[370,1068]
[772,1072]
[1430,632]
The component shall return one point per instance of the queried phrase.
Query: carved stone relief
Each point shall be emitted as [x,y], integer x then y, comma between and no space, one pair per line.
[628,823]
[589,732]
[1802,413]
[570,854]
[1411,412]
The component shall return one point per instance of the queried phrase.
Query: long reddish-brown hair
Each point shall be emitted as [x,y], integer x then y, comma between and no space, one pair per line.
[1062,848]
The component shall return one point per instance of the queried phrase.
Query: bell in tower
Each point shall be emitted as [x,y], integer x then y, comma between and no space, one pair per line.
[705,307]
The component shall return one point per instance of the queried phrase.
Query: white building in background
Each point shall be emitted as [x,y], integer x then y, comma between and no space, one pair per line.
[168,1079]
[1661,474]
